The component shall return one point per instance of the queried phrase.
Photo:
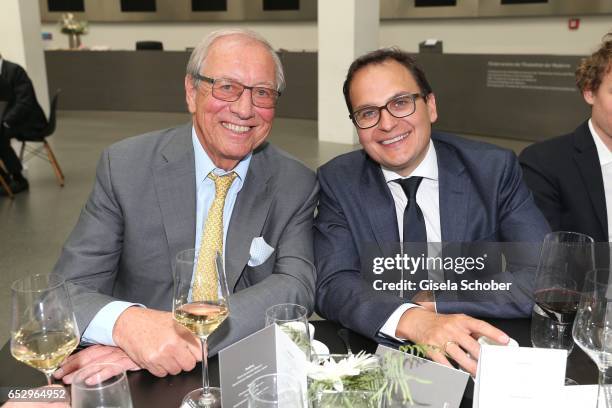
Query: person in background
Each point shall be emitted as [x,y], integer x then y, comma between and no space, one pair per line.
[571,175]
[22,116]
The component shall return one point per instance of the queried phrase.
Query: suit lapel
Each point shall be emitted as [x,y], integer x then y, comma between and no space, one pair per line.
[174,175]
[248,216]
[587,160]
[453,195]
[380,207]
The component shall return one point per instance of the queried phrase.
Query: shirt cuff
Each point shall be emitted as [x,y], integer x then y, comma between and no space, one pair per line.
[100,329]
[392,322]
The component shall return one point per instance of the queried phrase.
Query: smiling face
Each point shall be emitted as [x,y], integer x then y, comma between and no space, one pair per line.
[601,104]
[398,144]
[229,131]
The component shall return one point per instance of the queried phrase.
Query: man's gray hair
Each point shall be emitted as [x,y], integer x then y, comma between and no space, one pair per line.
[199,54]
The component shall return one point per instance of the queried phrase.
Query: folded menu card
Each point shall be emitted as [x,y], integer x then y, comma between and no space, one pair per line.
[431,384]
[267,351]
[519,377]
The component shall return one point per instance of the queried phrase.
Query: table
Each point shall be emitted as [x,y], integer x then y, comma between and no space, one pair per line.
[151,392]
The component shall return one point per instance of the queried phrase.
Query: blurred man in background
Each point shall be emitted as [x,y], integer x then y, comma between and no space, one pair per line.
[22,116]
[571,175]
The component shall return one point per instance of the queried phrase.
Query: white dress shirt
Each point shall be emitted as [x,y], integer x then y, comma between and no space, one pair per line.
[605,161]
[428,199]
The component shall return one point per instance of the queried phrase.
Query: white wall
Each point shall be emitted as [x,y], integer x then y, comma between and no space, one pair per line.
[533,35]
[10,23]
[340,42]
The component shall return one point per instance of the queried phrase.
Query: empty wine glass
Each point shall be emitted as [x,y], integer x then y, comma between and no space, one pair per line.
[88,388]
[293,320]
[200,311]
[565,259]
[275,391]
[43,329]
[593,329]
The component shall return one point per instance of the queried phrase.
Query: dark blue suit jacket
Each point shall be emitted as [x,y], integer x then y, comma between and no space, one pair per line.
[565,176]
[482,198]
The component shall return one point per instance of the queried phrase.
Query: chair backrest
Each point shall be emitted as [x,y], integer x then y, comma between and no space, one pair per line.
[51,123]
[3,105]
[149,45]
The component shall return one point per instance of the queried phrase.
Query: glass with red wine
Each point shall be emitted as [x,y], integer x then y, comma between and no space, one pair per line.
[565,259]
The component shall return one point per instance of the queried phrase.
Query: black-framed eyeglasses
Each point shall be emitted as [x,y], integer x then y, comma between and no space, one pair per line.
[399,107]
[229,90]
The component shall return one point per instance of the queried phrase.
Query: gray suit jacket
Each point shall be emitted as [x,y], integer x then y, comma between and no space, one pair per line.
[142,212]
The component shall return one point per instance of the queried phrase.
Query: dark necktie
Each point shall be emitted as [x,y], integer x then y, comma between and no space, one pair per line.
[414,223]
[414,228]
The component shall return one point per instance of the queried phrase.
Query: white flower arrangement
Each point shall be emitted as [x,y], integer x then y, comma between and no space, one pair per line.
[383,379]
[336,373]
[69,25]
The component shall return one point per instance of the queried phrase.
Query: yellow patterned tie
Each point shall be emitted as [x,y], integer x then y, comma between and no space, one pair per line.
[205,286]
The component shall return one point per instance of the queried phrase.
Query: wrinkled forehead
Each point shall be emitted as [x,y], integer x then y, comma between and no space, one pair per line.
[240,54]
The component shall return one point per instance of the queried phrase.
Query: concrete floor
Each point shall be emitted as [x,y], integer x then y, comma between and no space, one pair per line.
[33,227]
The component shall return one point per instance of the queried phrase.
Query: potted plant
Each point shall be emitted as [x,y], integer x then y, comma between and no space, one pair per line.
[74,29]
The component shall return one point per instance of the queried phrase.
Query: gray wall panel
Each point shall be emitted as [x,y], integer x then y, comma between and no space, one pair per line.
[153,81]
[525,97]
[119,80]
[300,98]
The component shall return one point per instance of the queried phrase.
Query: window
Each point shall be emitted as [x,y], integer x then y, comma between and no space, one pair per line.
[277,5]
[66,5]
[137,5]
[434,3]
[208,5]
[503,2]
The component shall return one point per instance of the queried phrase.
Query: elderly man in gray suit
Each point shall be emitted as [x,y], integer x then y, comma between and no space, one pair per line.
[151,199]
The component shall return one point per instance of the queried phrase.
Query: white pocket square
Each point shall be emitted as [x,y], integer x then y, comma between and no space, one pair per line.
[260,251]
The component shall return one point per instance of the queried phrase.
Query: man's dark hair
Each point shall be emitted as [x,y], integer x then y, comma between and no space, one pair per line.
[380,56]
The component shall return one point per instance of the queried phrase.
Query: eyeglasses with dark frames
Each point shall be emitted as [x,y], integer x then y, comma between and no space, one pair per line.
[399,107]
[229,90]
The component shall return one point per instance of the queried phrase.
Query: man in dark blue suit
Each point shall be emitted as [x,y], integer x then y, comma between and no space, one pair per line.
[409,185]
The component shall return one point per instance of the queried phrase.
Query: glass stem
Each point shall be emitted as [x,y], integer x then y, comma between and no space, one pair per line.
[561,337]
[604,391]
[205,384]
[49,378]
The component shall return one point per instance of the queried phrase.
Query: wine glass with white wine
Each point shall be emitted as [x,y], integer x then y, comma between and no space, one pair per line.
[200,304]
[43,329]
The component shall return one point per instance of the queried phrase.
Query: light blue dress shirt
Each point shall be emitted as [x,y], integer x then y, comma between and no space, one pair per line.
[100,329]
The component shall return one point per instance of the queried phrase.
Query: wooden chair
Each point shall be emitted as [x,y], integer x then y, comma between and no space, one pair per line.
[6,187]
[42,138]
[3,182]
